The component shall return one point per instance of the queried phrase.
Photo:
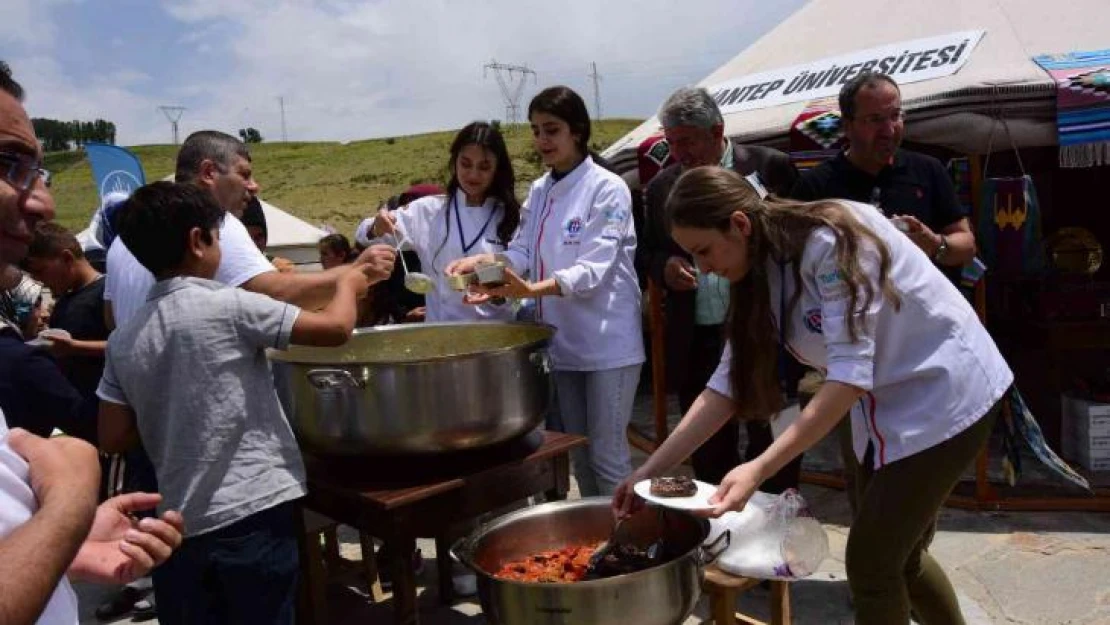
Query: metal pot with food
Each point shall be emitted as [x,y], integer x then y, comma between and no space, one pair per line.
[419,388]
[533,566]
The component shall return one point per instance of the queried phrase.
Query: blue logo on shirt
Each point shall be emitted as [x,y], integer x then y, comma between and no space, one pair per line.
[831,277]
[812,320]
[573,227]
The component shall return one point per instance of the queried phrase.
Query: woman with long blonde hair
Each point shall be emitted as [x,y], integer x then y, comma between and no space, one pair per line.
[838,286]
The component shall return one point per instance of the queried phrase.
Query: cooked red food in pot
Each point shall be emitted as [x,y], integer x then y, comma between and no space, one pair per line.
[677,486]
[568,564]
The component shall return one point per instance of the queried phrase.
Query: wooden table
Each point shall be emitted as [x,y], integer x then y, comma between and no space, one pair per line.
[399,500]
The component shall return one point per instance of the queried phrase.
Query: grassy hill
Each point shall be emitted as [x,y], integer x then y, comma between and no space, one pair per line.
[332,183]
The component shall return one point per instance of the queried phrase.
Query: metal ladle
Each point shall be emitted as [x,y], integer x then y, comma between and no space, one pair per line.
[605,548]
[417,282]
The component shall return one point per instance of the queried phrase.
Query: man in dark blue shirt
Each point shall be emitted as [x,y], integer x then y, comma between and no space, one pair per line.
[912,189]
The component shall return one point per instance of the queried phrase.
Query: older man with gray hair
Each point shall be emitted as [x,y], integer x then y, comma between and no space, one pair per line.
[696,303]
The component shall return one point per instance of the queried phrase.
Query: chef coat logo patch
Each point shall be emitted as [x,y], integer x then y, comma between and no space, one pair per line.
[831,277]
[615,219]
[812,320]
[616,215]
[572,230]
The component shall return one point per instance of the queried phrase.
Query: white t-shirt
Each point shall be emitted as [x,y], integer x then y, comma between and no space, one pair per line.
[127,282]
[17,504]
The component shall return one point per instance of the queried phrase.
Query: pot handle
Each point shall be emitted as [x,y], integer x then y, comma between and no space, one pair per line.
[707,555]
[332,379]
[462,551]
[541,359]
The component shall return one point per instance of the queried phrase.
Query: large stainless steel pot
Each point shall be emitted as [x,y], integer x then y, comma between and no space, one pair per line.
[419,388]
[661,595]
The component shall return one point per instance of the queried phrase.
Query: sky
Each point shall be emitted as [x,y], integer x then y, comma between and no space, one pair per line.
[350,70]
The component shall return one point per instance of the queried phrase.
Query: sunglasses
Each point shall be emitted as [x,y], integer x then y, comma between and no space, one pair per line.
[20,170]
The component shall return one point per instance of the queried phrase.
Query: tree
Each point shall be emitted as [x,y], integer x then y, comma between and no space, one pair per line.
[250,135]
[59,136]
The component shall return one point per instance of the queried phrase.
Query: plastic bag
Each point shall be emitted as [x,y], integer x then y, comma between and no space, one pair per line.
[773,537]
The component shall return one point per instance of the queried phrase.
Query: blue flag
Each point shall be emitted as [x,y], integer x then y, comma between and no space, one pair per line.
[114,169]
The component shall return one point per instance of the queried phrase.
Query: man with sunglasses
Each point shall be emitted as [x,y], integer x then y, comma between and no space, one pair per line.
[50,525]
[913,189]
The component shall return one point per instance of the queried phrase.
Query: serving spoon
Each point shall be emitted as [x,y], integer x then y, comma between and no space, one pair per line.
[417,282]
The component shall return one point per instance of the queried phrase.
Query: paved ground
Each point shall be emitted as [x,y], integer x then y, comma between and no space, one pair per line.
[1008,568]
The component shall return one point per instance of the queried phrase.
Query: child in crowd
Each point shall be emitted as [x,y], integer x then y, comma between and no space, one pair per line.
[55,259]
[254,219]
[335,250]
[22,303]
[188,375]
[378,307]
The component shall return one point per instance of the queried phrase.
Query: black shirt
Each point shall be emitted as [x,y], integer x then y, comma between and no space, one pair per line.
[34,394]
[81,313]
[914,184]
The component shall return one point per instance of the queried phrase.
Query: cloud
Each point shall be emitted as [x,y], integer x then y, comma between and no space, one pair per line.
[27,24]
[349,70]
[53,93]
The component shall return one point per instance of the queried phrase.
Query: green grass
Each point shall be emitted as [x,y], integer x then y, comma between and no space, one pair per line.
[327,183]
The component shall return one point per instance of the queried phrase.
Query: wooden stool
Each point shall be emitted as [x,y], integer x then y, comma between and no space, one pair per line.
[723,589]
[321,560]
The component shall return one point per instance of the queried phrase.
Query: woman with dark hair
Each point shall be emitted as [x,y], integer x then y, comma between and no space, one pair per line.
[836,284]
[335,250]
[577,247]
[479,214]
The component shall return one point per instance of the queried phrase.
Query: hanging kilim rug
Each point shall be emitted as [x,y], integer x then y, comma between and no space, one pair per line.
[1082,105]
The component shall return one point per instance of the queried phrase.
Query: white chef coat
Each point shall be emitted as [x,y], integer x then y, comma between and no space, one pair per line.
[930,369]
[17,505]
[431,226]
[579,231]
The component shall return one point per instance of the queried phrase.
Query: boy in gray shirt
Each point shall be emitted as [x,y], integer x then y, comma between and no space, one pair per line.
[188,376]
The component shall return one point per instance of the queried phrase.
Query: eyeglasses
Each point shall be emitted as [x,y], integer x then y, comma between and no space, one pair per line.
[20,170]
[878,119]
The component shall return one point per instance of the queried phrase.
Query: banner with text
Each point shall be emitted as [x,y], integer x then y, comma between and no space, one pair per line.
[906,62]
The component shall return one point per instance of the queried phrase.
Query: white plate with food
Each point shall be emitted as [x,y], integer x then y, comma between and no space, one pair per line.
[681,493]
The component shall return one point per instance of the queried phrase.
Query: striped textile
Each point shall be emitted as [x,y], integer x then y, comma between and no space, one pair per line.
[1082,105]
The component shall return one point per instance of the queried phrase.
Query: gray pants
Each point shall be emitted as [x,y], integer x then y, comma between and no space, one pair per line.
[598,405]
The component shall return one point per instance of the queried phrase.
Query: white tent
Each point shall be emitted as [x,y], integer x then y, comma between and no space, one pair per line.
[291,237]
[953,111]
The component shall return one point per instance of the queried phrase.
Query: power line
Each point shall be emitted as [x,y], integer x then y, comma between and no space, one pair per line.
[597,92]
[173,114]
[511,79]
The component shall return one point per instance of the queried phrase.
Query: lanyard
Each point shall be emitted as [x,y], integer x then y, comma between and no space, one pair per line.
[458,220]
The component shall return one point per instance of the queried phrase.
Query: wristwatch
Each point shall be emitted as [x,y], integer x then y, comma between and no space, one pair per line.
[942,250]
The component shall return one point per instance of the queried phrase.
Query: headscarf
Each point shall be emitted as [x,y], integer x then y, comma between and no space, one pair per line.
[18,302]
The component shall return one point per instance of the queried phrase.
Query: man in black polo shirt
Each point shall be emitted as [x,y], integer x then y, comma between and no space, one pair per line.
[913,189]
